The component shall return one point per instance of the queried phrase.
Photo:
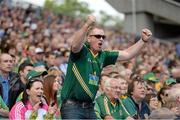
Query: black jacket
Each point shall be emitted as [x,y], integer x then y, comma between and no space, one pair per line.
[16,87]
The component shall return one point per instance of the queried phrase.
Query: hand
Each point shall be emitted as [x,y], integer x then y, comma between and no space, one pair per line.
[175,110]
[90,20]
[52,109]
[36,106]
[129,118]
[108,117]
[145,34]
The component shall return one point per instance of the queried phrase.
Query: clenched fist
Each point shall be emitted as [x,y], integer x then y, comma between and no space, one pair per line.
[146,34]
[90,20]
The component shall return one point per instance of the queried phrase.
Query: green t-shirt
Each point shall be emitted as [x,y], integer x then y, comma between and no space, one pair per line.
[3,106]
[103,107]
[83,73]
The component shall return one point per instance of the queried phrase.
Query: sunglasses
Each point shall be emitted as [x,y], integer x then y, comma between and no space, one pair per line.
[99,36]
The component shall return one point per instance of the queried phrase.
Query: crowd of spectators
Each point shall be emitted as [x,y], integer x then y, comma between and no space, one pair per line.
[40,41]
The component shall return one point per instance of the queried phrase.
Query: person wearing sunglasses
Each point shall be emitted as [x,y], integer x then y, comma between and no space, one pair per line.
[32,105]
[86,61]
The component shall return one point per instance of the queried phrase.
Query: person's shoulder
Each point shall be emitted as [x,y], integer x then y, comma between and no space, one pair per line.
[18,105]
[100,98]
[127,102]
[13,75]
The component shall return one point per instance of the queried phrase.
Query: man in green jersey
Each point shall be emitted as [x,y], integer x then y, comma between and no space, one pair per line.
[108,105]
[85,64]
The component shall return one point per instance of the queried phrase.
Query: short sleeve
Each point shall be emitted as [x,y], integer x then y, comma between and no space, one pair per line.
[110,57]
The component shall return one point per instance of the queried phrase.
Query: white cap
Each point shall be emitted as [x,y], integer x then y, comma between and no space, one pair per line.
[33,26]
[39,50]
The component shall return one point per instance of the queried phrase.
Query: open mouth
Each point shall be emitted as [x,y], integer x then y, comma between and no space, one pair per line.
[100,44]
[40,96]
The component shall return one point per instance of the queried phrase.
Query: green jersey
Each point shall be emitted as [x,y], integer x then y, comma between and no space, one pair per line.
[83,73]
[103,107]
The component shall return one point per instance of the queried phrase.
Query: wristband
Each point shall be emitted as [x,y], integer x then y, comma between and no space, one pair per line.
[144,40]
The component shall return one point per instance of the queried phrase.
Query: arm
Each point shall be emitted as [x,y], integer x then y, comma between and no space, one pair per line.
[135,49]
[4,112]
[108,117]
[77,39]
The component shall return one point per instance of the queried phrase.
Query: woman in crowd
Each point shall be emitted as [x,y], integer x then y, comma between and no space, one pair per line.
[152,101]
[51,86]
[32,105]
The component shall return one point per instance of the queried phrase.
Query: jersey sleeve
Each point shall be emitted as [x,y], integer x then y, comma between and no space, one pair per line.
[80,54]
[110,57]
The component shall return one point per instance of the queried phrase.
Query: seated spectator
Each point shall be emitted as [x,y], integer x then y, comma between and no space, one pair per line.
[152,101]
[101,89]
[108,105]
[173,101]
[18,83]
[51,86]
[151,81]
[163,95]
[32,105]
[162,114]
[124,87]
[6,75]
[135,103]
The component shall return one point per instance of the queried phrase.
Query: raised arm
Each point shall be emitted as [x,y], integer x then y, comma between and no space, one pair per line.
[78,37]
[135,49]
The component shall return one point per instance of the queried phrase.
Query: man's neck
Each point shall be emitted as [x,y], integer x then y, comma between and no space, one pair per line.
[4,74]
[93,51]
[137,101]
[23,80]
[112,99]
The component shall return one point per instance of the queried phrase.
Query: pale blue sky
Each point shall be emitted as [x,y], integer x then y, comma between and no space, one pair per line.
[96,5]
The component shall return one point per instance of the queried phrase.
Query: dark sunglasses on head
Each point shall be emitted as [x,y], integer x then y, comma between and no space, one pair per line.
[99,36]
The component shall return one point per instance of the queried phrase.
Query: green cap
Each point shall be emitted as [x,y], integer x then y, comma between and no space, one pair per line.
[150,76]
[32,74]
[170,81]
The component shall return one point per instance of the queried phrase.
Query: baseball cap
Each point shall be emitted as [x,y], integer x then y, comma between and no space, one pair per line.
[32,74]
[150,76]
[170,81]
[39,50]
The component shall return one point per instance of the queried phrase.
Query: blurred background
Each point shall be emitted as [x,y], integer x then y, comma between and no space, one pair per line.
[161,16]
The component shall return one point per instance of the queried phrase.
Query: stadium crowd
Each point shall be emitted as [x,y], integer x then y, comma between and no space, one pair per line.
[34,53]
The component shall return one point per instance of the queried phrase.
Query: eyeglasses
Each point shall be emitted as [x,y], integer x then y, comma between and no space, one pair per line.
[116,87]
[99,36]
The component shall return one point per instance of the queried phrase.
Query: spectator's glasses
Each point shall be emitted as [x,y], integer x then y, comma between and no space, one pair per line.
[116,87]
[99,36]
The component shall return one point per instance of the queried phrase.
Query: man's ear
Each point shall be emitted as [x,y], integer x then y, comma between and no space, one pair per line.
[20,72]
[88,39]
